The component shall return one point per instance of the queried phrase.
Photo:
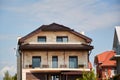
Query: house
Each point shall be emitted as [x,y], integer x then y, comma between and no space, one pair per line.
[116,47]
[105,68]
[53,52]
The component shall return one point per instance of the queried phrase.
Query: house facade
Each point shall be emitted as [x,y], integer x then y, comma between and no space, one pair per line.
[53,52]
[105,68]
[116,48]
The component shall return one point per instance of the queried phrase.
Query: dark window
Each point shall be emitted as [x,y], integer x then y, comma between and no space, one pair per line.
[62,39]
[54,62]
[55,77]
[42,39]
[36,61]
[73,61]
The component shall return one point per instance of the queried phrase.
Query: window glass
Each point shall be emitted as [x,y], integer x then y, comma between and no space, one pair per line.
[36,61]
[54,62]
[41,39]
[59,39]
[73,62]
[65,39]
[62,39]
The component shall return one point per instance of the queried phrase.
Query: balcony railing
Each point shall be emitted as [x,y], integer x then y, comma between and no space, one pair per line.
[61,66]
[45,66]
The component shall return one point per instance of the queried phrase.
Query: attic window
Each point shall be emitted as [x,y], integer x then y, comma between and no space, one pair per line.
[41,39]
[62,39]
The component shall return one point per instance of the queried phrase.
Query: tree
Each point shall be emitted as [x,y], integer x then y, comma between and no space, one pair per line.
[14,77]
[88,76]
[7,76]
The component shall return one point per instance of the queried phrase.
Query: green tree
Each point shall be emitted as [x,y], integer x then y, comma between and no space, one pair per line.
[14,77]
[88,76]
[7,76]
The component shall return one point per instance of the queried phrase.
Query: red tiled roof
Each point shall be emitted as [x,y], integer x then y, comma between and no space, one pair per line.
[104,59]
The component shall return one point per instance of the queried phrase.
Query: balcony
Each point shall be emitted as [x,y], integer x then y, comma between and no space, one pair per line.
[61,66]
[63,69]
[55,46]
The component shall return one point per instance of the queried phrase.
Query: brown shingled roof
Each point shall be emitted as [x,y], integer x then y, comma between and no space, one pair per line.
[55,47]
[54,27]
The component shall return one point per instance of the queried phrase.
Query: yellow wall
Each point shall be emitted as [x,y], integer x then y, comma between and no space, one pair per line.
[27,57]
[51,36]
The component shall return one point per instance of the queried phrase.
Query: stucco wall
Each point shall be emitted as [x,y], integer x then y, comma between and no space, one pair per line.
[82,57]
[51,36]
[46,56]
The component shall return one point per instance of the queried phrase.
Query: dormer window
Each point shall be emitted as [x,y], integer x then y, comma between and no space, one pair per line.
[62,39]
[41,39]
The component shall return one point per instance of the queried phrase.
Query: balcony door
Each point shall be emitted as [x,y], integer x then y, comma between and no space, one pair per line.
[54,61]
[73,61]
[36,61]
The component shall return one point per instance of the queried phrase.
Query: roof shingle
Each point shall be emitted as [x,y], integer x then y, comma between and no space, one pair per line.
[54,27]
[104,59]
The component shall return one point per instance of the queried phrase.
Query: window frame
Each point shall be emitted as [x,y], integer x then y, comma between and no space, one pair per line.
[61,38]
[43,39]
[75,64]
[55,62]
[38,64]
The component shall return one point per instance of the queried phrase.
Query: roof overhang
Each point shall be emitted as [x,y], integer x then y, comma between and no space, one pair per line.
[55,47]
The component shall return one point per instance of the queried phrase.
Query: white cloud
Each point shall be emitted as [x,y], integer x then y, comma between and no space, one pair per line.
[10,69]
[80,14]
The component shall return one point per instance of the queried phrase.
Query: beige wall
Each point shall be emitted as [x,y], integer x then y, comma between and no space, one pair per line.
[27,57]
[51,36]
[62,59]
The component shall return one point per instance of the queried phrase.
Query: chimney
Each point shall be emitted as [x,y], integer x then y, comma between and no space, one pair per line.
[82,32]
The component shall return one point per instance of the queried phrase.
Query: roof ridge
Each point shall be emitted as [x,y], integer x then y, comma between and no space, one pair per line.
[55,27]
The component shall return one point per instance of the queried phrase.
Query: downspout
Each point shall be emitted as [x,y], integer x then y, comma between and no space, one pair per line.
[47,57]
[64,57]
[19,56]
[89,52]
[89,55]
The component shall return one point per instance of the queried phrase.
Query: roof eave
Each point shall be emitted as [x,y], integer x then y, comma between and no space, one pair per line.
[55,47]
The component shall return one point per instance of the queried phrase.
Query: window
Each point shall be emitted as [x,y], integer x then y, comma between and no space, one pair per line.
[113,72]
[55,77]
[73,62]
[54,62]
[42,39]
[62,39]
[36,61]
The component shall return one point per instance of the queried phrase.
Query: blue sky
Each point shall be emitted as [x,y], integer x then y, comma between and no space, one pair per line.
[97,18]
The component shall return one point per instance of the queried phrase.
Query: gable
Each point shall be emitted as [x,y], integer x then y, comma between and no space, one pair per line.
[54,28]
